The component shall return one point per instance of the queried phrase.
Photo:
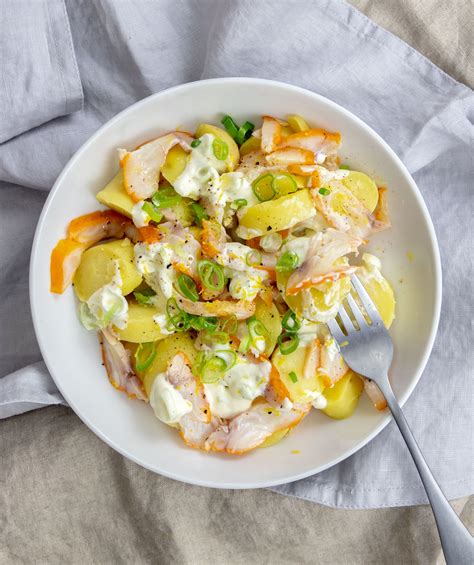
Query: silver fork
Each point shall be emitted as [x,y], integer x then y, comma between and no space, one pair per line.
[368,350]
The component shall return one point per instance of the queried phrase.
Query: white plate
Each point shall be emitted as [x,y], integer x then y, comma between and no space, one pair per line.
[72,354]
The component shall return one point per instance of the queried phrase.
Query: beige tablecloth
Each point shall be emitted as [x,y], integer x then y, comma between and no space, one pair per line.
[66,497]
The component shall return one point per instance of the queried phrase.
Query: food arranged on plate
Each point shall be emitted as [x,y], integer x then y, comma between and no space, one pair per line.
[213,271]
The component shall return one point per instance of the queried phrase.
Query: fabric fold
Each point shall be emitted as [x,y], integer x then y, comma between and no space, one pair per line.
[40,77]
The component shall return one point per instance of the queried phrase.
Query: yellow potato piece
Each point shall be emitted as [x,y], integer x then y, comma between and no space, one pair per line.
[380,291]
[141,327]
[251,144]
[344,396]
[363,188]
[295,362]
[297,123]
[275,438]
[98,267]
[234,155]
[324,296]
[175,163]
[166,349]
[279,214]
[270,318]
[115,196]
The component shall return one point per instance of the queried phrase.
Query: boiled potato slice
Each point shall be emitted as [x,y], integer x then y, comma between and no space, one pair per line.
[234,155]
[175,163]
[115,196]
[98,267]
[344,396]
[295,362]
[251,144]
[277,215]
[141,327]
[297,123]
[166,349]
[270,318]
[320,302]
[378,287]
[363,188]
[275,437]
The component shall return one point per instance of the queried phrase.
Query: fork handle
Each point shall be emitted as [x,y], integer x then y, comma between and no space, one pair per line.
[457,542]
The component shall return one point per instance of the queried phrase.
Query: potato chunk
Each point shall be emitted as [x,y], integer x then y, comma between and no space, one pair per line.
[277,215]
[115,196]
[141,327]
[344,396]
[98,267]
[234,155]
[166,349]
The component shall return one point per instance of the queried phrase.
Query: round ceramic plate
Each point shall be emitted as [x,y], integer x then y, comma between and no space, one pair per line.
[408,251]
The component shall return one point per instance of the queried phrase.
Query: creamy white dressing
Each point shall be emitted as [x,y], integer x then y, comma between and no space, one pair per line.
[167,403]
[139,217]
[154,262]
[372,266]
[240,386]
[299,246]
[161,320]
[308,331]
[236,187]
[204,178]
[106,306]
[202,167]
[245,281]
[271,242]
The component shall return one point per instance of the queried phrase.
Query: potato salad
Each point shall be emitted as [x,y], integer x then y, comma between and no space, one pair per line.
[212,269]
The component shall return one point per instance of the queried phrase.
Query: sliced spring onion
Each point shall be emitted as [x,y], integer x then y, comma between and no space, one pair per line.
[257,331]
[345,167]
[144,355]
[284,184]
[293,377]
[152,212]
[288,343]
[245,131]
[262,187]
[188,287]
[166,198]
[253,258]
[172,307]
[179,322]
[230,325]
[213,370]
[211,275]
[245,344]
[288,261]
[201,323]
[230,126]
[220,149]
[271,242]
[324,191]
[229,356]
[239,203]
[290,322]
[195,143]
[144,296]
[199,213]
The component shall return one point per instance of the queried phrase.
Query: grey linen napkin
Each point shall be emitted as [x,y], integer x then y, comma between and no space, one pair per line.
[128,50]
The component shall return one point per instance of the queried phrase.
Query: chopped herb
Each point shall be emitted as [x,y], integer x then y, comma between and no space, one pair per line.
[293,377]
[324,191]
[195,143]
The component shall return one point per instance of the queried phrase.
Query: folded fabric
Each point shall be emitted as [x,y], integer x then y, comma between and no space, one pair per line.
[127,50]
[40,79]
